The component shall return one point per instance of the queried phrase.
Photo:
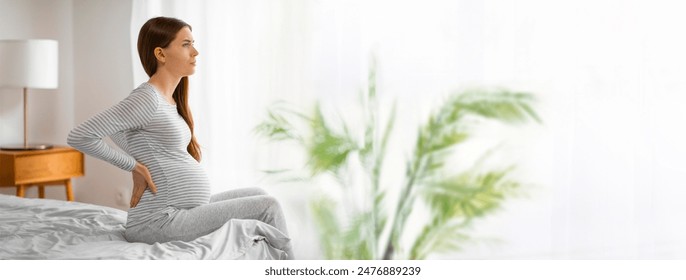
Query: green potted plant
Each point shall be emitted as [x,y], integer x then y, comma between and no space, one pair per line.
[454,198]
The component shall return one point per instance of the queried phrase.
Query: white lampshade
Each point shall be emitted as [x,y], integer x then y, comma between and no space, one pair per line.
[28,63]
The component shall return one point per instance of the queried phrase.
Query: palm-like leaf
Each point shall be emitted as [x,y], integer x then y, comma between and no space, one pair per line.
[446,128]
[279,124]
[500,104]
[456,201]
[358,238]
[469,196]
[328,150]
[437,237]
[329,230]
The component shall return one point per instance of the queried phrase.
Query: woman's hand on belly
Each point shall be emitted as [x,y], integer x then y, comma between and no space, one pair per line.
[141,181]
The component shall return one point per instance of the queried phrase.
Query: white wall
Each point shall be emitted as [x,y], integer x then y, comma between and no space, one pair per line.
[102,78]
[94,74]
[50,111]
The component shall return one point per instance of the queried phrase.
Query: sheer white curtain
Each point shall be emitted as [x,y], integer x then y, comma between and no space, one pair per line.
[610,160]
[607,164]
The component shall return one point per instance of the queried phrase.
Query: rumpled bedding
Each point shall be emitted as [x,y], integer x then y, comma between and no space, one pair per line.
[52,229]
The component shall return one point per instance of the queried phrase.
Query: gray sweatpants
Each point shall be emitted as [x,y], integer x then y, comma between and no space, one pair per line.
[189,224]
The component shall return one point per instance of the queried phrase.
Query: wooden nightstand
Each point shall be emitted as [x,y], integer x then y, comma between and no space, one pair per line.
[56,166]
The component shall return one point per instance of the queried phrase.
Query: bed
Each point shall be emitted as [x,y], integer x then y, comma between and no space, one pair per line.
[52,229]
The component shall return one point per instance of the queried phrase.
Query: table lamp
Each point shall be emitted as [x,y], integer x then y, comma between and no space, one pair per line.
[28,64]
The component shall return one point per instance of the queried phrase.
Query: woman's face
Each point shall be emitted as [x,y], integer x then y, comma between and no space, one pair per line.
[179,56]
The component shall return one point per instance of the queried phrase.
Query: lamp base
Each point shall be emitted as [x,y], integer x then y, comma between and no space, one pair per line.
[28,147]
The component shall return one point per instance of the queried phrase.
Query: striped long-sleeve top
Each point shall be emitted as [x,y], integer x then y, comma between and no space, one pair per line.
[149,130]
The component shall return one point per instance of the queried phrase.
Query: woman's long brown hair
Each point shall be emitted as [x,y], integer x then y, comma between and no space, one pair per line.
[159,32]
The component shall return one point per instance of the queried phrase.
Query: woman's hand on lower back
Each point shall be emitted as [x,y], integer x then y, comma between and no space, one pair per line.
[141,181]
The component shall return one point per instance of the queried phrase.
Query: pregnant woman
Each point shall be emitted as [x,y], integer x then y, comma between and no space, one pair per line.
[154,127]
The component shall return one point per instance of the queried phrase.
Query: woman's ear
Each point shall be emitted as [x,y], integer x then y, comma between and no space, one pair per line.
[159,54]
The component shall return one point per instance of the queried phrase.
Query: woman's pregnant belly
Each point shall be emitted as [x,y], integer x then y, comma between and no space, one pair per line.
[182,182]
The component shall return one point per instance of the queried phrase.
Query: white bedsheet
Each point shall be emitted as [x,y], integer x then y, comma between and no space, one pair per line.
[52,229]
